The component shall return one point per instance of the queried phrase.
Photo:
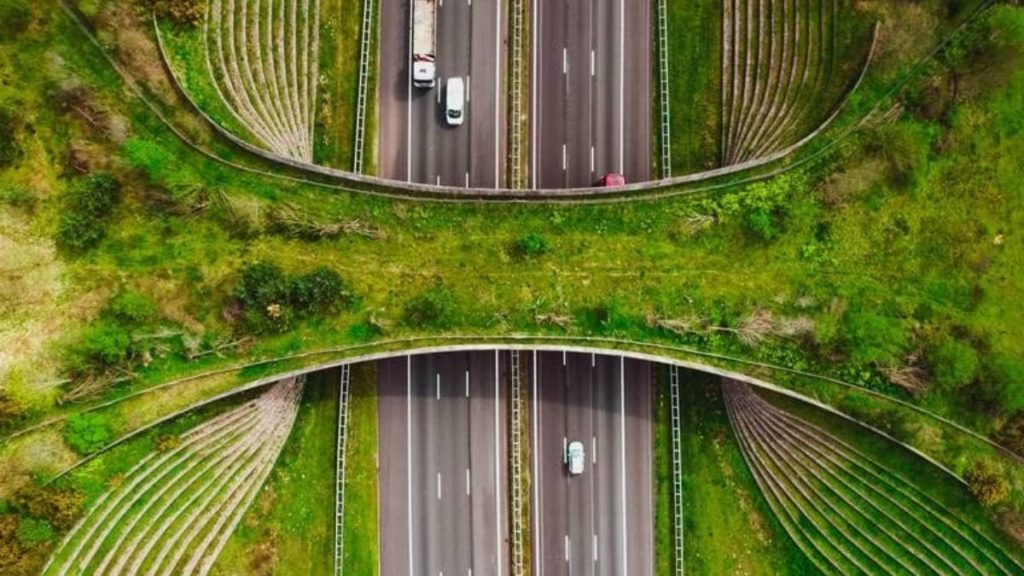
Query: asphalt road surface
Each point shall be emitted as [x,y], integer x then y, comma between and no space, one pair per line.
[443,472]
[415,144]
[600,522]
[591,92]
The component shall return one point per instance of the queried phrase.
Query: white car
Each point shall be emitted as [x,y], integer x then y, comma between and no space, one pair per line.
[455,101]
[575,457]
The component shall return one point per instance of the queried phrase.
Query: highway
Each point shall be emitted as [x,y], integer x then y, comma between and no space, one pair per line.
[443,464]
[600,522]
[590,103]
[414,143]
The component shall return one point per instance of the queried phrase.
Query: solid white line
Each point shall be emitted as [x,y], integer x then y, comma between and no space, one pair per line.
[622,463]
[497,95]
[534,90]
[622,80]
[497,463]
[469,489]
[467,87]
[467,383]
[438,485]
[408,116]
[535,509]
[408,441]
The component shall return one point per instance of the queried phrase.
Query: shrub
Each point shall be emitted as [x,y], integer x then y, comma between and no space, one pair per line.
[130,308]
[9,409]
[9,148]
[431,309]
[320,290]
[18,197]
[869,337]
[270,299]
[11,551]
[181,12]
[87,433]
[32,531]
[15,16]
[530,245]
[85,211]
[987,484]
[262,285]
[99,346]
[1011,435]
[59,507]
[953,364]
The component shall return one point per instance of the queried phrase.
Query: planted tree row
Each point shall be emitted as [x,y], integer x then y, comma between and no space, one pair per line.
[846,512]
[779,73]
[263,56]
[173,511]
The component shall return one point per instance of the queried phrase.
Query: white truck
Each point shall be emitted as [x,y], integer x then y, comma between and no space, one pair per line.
[424,68]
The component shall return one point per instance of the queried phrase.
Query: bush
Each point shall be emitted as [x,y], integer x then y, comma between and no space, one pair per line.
[431,309]
[130,308]
[86,210]
[18,197]
[181,12]
[320,290]
[9,409]
[869,337]
[9,148]
[987,484]
[270,299]
[32,532]
[1011,435]
[953,364]
[262,285]
[59,507]
[530,245]
[101,345]
[87,433]
[15,16]
[11,551]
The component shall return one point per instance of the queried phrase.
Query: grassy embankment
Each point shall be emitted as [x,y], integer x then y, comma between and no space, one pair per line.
[729,528]
[290,528]
[340,22]
[949,493]
[695,77]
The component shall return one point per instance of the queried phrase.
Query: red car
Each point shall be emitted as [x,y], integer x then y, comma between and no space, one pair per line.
[613,180]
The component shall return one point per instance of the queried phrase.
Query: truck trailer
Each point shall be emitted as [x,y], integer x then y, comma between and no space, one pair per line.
[424,67]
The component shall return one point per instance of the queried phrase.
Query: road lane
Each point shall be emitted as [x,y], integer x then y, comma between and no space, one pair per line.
[393,469]
[590,92]
[600,522]
[415,142]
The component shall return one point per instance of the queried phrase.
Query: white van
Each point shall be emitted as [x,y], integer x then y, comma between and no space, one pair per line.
[455,101]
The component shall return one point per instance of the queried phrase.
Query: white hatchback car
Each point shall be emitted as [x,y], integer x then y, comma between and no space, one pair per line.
[575,457]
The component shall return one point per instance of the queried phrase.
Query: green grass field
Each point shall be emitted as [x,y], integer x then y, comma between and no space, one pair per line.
[729,528]
[290,527]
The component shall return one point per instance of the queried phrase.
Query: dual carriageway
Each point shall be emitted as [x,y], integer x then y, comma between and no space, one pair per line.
[589,105]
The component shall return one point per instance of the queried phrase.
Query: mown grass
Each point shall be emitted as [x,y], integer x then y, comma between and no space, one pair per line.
[729,528]
[695,77]
[362,547]
[664,526]
[290,527]
[340,22]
